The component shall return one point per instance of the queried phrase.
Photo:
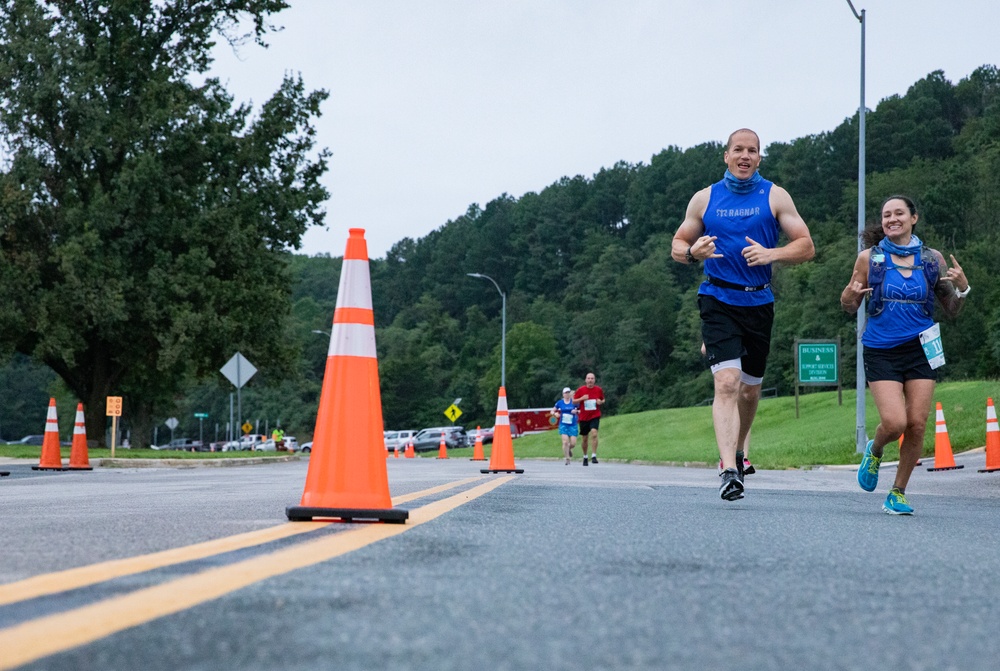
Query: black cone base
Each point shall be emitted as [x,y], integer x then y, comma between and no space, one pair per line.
[49,468]
[80,468]
[305,514]
[502,470]
[3,473]
[988,470]
[947,468]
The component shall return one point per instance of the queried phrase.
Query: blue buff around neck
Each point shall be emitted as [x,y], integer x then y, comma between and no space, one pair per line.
[737,185]
[901,250]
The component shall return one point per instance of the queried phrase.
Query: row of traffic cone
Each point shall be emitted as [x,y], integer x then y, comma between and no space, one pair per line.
[944,458]
[51,458]
[347,478]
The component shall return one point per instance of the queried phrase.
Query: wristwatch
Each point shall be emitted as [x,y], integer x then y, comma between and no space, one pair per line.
[963,294]
[689,256]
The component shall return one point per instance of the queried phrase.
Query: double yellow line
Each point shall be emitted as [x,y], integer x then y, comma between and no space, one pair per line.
[48,635]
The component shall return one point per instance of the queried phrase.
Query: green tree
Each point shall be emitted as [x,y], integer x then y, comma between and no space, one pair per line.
[145,218]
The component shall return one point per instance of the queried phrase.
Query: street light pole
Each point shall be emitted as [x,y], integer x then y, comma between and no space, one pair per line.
[861,434]
[503,327]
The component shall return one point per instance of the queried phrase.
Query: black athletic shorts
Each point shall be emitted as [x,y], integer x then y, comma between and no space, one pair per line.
[900,363]
[736,332]
[587,424]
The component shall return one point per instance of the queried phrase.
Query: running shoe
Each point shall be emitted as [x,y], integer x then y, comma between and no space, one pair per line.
[896,503]
[567,461]
[593,459]
[868,471]
[720,467]
[732,487]
[748,468]
[585,461]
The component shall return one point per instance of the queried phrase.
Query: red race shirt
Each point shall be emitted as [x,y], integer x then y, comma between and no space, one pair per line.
[588,409]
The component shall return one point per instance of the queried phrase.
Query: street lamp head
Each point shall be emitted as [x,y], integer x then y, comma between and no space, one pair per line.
[321,332]
[473,274]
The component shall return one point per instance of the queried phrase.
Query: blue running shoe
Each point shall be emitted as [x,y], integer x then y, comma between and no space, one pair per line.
[868,471]
[896,503]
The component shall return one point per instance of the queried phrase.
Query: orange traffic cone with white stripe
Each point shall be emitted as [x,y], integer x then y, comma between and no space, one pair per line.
[78,459]
[347,477]
[502,454]
[944,460]
[51,459]
[410,452]
[395,451]
[477,451]
[992,439]
[442,449]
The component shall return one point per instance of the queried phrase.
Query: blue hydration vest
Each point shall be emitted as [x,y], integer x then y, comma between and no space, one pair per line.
[925,261]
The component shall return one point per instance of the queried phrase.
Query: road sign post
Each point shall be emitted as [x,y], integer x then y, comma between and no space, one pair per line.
[171,424]
[202,416]
[817,363]
[114,412]
[453,412]
[238,371]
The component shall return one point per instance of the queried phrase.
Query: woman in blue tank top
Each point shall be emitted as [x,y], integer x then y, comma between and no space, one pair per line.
[900,277]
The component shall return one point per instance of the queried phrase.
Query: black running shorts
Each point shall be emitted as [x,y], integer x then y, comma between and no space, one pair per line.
[736,332]
[587,424]
[900,363]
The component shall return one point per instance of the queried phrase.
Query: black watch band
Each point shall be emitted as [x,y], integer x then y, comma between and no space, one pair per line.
[689,256]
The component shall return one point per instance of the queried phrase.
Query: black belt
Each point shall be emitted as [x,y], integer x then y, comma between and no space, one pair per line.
[738,287]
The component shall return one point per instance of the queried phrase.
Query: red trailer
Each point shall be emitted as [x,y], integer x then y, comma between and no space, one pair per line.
[529,420]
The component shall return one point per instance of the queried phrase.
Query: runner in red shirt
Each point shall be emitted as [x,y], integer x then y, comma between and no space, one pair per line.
[591,398]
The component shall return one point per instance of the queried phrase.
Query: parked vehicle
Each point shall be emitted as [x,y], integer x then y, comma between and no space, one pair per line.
[306,447]
[247,442]
[486,433]
[397,439]
[186,444]
[30,440]
[430,439]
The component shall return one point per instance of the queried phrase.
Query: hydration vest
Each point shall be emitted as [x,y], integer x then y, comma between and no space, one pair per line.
[876,276]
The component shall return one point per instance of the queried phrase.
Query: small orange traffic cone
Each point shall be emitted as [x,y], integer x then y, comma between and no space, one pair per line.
[477,451]
[51,459]
[347,476]
[78,460]
[410,452]
[395,451]
[944,460]
[502,454]
[992,439]
[442,450]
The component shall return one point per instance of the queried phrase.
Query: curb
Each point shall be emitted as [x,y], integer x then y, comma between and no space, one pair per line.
[189,463]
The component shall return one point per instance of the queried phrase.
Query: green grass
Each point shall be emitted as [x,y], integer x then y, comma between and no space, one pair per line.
[822,434]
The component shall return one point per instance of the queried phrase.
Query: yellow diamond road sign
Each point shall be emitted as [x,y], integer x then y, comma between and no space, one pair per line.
[453,412]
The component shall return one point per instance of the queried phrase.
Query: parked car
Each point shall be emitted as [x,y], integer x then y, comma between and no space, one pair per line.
[306,447]
[397,439]
[486,433]
[430,439]
[30,440]
[187,444]
[216,446]
[247,442]
[289,444]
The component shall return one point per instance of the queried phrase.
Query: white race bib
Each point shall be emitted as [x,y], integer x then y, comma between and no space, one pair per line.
[567,418]
[930,339]
[590,404]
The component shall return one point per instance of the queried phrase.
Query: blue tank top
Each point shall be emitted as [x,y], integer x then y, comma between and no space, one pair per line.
[731,217]
[898,323]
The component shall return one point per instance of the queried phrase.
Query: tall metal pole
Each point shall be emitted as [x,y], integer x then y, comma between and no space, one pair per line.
[503,327]
[861,433]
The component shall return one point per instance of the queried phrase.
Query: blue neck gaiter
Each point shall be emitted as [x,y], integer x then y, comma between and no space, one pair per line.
[737,185]
[900,250]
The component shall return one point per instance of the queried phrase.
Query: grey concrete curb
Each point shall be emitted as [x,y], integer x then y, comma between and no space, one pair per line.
[189,463]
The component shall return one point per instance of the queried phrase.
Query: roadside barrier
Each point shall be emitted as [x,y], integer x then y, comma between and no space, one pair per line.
[502,453]
[477,451]
[347,477]
[51,459]
[442,449]
[78,459]
[992,439]
[944,460]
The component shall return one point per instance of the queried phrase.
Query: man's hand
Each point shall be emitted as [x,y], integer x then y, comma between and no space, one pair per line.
[704,248]
[756,254]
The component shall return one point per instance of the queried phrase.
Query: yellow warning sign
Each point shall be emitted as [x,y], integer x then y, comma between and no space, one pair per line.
[453,412]
[247,427]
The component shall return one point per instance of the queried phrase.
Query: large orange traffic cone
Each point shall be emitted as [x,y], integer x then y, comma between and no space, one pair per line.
[51,459]
[347,476]
[992,439]
[502,454]
[442,449]
[410,452]
[944,460]
[477,451]
[78,460]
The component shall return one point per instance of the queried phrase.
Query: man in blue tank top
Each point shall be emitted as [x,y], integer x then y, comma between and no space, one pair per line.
[733,226]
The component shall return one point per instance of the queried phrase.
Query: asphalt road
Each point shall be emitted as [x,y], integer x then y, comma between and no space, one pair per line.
[612,566]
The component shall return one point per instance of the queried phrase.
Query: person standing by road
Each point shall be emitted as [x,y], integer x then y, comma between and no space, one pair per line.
[591,398]
[565,412]
[733,226]
[901,277]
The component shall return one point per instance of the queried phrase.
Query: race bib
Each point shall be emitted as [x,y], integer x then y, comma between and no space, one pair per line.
[567,418]
[590,404]
[930,339]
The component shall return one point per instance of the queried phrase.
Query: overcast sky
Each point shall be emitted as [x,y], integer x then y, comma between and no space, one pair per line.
[438,104]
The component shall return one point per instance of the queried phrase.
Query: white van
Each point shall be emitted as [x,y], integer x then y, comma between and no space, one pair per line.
[398,439]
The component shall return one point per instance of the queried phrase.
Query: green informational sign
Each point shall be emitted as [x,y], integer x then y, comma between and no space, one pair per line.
[818,363]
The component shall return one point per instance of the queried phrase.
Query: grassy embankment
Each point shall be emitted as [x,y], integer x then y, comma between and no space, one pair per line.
[822,434]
